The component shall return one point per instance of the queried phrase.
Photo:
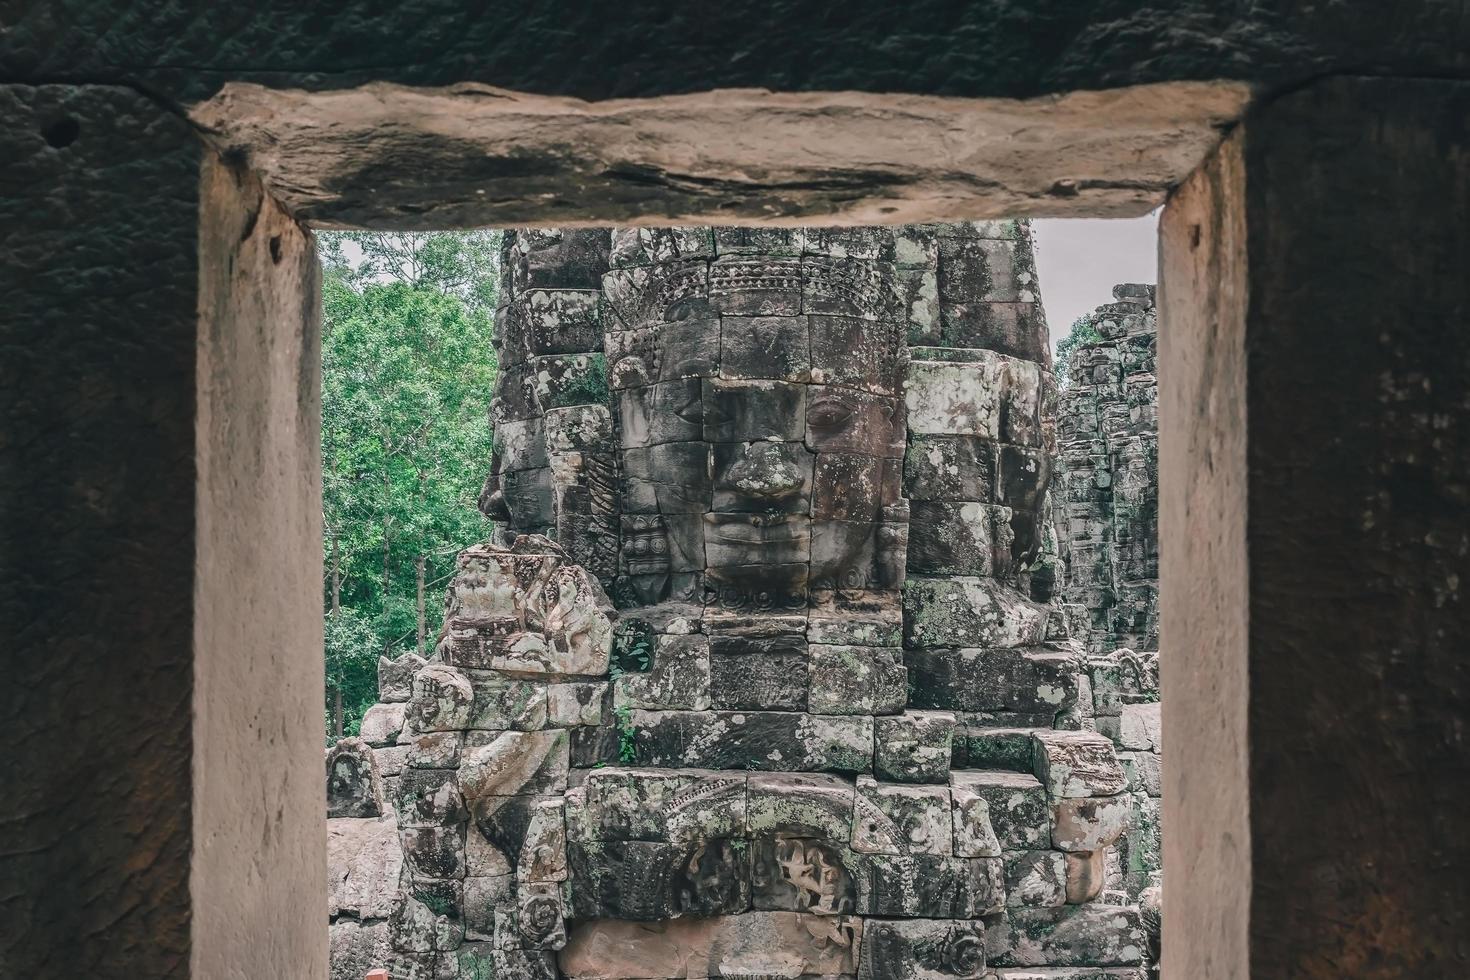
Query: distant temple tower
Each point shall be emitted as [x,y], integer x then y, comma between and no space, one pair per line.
[1107,498]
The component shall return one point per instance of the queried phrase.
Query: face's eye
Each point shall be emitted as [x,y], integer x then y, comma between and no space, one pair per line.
[828,413]
[712,415]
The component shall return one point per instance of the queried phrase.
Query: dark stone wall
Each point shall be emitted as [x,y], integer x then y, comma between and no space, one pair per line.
[941,47]
[98,206]
[1358,197]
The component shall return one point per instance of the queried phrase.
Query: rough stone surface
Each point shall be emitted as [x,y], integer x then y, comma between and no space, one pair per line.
[1037,682]
[1395,152]
[364,859]
[939,611]
[1089,824]
[987,49]
[1073,935]
[769,740]
[1073,764]
[757,943]
[1364,447]
[924,949]
[560,160]
[134,461]
[106,485]
[1017,806]
[1085,875]
[256,603]
[395,676]
[901,819]
[355,948]
[914,747]
[1037,878]
[382,723]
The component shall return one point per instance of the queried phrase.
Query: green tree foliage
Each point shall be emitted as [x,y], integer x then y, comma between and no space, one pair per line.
[408,368]
[1084,331]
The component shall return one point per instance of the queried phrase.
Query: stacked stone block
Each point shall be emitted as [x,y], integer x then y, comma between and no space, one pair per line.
[1107,499]
[982,643]
[1125,688]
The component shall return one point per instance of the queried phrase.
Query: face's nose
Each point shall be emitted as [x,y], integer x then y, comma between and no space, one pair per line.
[763,472]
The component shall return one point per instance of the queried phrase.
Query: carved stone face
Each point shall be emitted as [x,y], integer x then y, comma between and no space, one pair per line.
[767,448]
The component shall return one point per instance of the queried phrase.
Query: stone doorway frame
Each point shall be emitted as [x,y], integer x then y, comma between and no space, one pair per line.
[1251,264]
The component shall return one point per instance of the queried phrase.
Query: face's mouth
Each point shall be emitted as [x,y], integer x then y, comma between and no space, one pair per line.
[758,529]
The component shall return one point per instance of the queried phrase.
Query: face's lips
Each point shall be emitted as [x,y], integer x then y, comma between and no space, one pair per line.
[758,529]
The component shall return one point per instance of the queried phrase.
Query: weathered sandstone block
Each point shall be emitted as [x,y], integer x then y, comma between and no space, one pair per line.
[976,612]
[1089,824]
[382,723]
[754,944]
[1018,805]
[1085,875]
[766,740]
[914,747]
[899,819]
[1036,879]
[395,677]
[364,861]
[922,949]
[1073,935]
[354,787]
[1073,764]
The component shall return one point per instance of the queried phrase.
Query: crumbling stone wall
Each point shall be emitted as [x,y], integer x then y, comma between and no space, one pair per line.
[834,726]
[1107,500]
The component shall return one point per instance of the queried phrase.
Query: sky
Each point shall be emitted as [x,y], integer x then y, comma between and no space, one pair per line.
[1079,260]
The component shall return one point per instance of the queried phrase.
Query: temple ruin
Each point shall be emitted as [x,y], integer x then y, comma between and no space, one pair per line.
[779,667]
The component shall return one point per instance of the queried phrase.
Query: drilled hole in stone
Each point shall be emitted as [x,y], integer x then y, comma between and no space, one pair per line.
[62,133]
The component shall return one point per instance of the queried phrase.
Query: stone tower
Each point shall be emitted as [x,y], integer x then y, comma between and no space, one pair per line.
[1107,500]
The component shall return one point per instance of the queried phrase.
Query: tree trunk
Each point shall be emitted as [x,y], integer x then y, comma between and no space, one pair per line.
[418,567]
[336,577]
[336,608]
